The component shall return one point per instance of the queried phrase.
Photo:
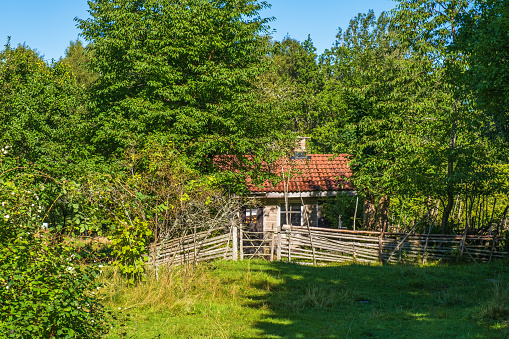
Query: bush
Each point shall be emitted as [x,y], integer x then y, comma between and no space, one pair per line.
[44,290]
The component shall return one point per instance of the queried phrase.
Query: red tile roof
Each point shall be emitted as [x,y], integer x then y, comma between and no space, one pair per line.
[321,172]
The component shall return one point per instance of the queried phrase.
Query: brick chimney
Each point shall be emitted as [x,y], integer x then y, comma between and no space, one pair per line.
[300,148]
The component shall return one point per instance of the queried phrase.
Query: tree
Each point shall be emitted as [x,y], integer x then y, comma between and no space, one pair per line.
[77,58]
[42,112]
[181,72]
[482,38]
[294,82]
[370,103]
[431,27]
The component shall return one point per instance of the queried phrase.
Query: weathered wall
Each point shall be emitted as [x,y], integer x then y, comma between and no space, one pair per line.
[270,217]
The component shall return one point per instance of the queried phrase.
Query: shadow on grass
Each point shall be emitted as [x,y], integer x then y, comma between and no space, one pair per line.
[361,301]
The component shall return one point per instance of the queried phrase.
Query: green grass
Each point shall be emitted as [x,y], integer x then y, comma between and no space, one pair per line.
[258,299]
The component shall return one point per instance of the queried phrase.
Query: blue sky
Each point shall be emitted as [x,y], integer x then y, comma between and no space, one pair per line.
[48,26]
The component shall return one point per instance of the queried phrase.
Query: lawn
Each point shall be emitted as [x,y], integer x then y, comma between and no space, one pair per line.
[259,299]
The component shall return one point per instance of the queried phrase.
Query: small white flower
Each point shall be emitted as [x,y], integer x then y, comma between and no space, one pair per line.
[3,203]
[119,308]
[98,288]
[7,216]
[7,287]
[100,266]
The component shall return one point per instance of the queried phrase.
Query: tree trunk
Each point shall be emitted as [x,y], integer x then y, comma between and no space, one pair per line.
[382,218]
[368,212]
[450,184]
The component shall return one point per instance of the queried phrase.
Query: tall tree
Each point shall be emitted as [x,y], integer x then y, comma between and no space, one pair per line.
[298,73]
[431,26]
[483,39]
[41,112]
[181,71]
[77,58]
[370,101]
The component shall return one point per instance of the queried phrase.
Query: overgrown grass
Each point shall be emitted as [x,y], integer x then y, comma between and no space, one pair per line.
[259,299]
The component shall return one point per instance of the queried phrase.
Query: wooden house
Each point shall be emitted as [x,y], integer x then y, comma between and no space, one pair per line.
[307,180]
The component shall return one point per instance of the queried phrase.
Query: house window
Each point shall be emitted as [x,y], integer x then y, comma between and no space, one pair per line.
[294,213]
[252,218]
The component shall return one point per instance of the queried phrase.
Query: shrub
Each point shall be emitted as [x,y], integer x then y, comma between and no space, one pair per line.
[44,290]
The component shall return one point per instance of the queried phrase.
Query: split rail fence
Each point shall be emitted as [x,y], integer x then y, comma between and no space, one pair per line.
[321,245]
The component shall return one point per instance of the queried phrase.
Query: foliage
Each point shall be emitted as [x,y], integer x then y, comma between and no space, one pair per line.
[374,107]
[42,113]
[179,71]
[460,155]
[152,196]
[344,206]
[44,127]
[129,244]
[292,83]
[45,291]
[77,58]
[482,38]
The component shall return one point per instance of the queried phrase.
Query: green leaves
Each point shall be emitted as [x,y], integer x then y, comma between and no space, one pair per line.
[178,71]
[483,39]
[44,290]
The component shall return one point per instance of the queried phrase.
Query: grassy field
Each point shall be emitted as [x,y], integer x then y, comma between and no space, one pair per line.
[259,299]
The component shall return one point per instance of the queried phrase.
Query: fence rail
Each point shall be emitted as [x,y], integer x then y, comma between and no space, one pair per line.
[297,243]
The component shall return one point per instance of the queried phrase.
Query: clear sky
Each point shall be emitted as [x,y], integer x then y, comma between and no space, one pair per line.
[48,26]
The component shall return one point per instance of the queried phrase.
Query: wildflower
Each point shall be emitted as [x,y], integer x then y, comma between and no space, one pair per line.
[7,216]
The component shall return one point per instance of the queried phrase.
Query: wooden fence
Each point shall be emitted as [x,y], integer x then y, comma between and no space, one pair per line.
[320,245]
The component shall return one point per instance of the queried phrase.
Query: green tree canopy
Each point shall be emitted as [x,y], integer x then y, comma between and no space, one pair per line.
[41,111]
[371,99]
[180,71]
[77,58]
[483,38]
[292,83]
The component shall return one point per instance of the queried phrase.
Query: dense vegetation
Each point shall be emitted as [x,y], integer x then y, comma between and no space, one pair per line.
[119,137]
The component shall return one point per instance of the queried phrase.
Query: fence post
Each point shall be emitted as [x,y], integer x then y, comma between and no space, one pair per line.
[289,235]
[272,247]
[235,254]
[241,240]
[380,247]
[278,255]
